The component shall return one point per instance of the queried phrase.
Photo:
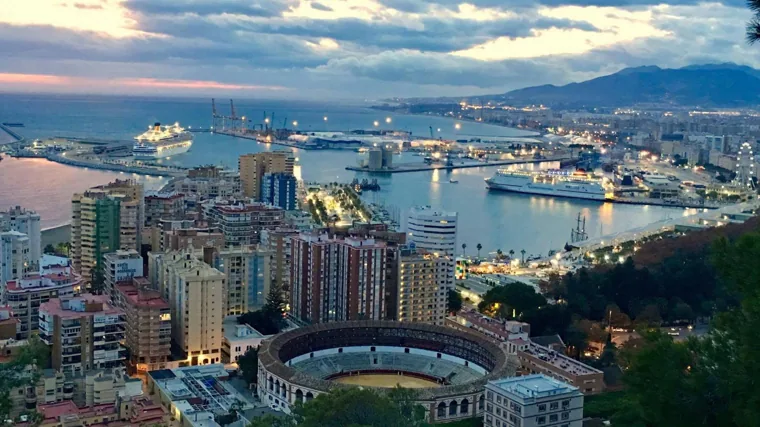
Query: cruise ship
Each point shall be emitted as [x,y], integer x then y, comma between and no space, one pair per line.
[162,141]
[557,183]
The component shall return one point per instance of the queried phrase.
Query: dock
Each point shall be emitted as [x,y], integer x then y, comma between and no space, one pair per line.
[421,166]
[7,129]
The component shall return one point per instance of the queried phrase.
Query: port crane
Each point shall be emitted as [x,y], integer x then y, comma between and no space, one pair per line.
[233,117]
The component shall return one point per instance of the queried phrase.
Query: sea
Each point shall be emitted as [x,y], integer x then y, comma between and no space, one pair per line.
[495,220]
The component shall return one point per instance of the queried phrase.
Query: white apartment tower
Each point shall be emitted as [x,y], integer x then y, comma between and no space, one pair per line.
[27,222]
[434,231]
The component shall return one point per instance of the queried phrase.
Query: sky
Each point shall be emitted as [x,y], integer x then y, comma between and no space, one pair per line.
[352,49]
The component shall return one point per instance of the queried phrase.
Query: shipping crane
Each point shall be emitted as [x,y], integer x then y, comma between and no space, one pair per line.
[233,117]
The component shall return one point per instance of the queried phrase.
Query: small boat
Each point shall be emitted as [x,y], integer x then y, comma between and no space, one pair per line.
[453,181]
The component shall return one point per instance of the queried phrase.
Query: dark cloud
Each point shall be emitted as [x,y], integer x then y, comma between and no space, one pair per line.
[264,9]
[320,6]
[421,5]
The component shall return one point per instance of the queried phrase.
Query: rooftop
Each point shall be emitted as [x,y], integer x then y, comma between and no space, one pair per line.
[533,386]
[236,332]
[76,307]
[559,361]
[55,279]
[135,294]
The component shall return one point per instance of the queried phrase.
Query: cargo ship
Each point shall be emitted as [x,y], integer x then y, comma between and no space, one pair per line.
[556,183]
[162,141]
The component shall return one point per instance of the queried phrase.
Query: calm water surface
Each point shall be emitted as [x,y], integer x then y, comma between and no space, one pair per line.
[495,220]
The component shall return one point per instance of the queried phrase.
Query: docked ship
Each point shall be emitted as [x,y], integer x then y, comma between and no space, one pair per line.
[162,141]
[557,183]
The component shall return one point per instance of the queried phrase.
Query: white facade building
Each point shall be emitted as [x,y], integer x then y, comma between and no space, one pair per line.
[27,222]
[436,232]
[238,339]
[16,260]
[532,401]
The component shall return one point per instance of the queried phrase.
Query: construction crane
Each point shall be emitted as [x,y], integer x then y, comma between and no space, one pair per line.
[431,133]
[233,117]
[213,114]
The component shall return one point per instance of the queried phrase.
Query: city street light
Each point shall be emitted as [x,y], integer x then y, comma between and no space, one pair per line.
[387,120]
[457,126]
[376,123]
[266,120]
[295,123]
[324,118]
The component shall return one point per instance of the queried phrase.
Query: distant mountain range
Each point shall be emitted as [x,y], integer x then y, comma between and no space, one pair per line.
[709,85]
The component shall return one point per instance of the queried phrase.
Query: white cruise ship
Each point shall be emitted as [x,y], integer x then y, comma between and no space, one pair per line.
[557,183]
[162,141]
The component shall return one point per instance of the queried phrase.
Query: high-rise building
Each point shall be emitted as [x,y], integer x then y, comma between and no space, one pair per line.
[196,293]
[105,219]
[119,267]
[532,400]
[337,279]
[148,325]
[84,333]
[422,286]
[279,189]
[16,260]
[436,232]
[247,275]
[24,296]
[277,243]
[253,167]
[166,206]
[27,222]
[241,223]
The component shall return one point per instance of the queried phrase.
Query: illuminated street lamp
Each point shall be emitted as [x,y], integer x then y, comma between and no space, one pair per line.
[388,120]
[324,118]
[376,123]
[266,120]
[295,123]
[457,126]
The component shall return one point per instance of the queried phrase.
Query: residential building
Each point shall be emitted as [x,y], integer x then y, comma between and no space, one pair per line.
[436,232]
[163,206]
[105,219]
[198,187]
[148,325]
[246,270]
[195,395]
[120,266]
[499,330]
[277,243]
[242,223]
[253,167]
[10,326]
[196,293]
[238,339]
[531,401]
[16,260]
[181,239]
[84,333]
[535,358]
[299,220]
[27,222]
[279,189]
[138,411]
[25,296]
[337,279]
[422,286]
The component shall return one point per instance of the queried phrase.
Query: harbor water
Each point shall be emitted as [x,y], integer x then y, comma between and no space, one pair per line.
[496,220]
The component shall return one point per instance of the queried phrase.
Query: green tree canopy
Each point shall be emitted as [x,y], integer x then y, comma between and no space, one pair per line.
[454,301]
[513,298]
[249,365]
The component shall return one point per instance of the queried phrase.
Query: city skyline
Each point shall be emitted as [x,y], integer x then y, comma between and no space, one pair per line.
[337,49]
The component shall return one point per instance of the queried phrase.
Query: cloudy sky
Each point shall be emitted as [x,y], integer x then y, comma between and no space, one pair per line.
[352,48]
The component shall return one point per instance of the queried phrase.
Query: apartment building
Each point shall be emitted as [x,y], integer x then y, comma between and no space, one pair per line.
[84,332]
[163,206]
[25,296]
[16,260]
[247,275]
[279,189]
[120,266]
[531,401]
[422,286]
[148,328]
[535,358]
[253,166]
[277,243]
[436,232]
[242,223]
[196,293]
[337,279]
[27,222]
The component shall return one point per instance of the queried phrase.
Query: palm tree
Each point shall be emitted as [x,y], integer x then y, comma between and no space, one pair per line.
[523,255]
[464,248]
[753,26]
[511,253]
[499,253]
[479,247]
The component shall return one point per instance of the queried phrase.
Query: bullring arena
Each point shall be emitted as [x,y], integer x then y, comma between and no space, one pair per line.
[448,368]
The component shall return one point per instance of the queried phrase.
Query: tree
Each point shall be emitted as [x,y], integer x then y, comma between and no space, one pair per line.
[753,27]
[49,249]
[355,407]
[454,301]
[464,249]
[479,247]
[510,300]
[499,253]
[522,252]
[97,285]
[511,253]
[24,369]
[249,365]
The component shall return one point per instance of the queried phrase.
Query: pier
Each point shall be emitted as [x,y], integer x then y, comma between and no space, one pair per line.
[421,167]
[6,128]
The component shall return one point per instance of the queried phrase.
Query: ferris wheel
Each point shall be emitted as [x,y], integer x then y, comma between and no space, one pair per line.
[745,166]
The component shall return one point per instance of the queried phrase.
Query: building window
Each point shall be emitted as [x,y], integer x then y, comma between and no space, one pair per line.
[565,416]
[542,408]
[498,399]
[441,411]
[489,408]
[554,406]
[553,418]
[541,420]
[565,404]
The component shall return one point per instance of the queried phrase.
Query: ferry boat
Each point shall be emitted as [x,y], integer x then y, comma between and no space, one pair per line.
[557,183]
[162,141]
